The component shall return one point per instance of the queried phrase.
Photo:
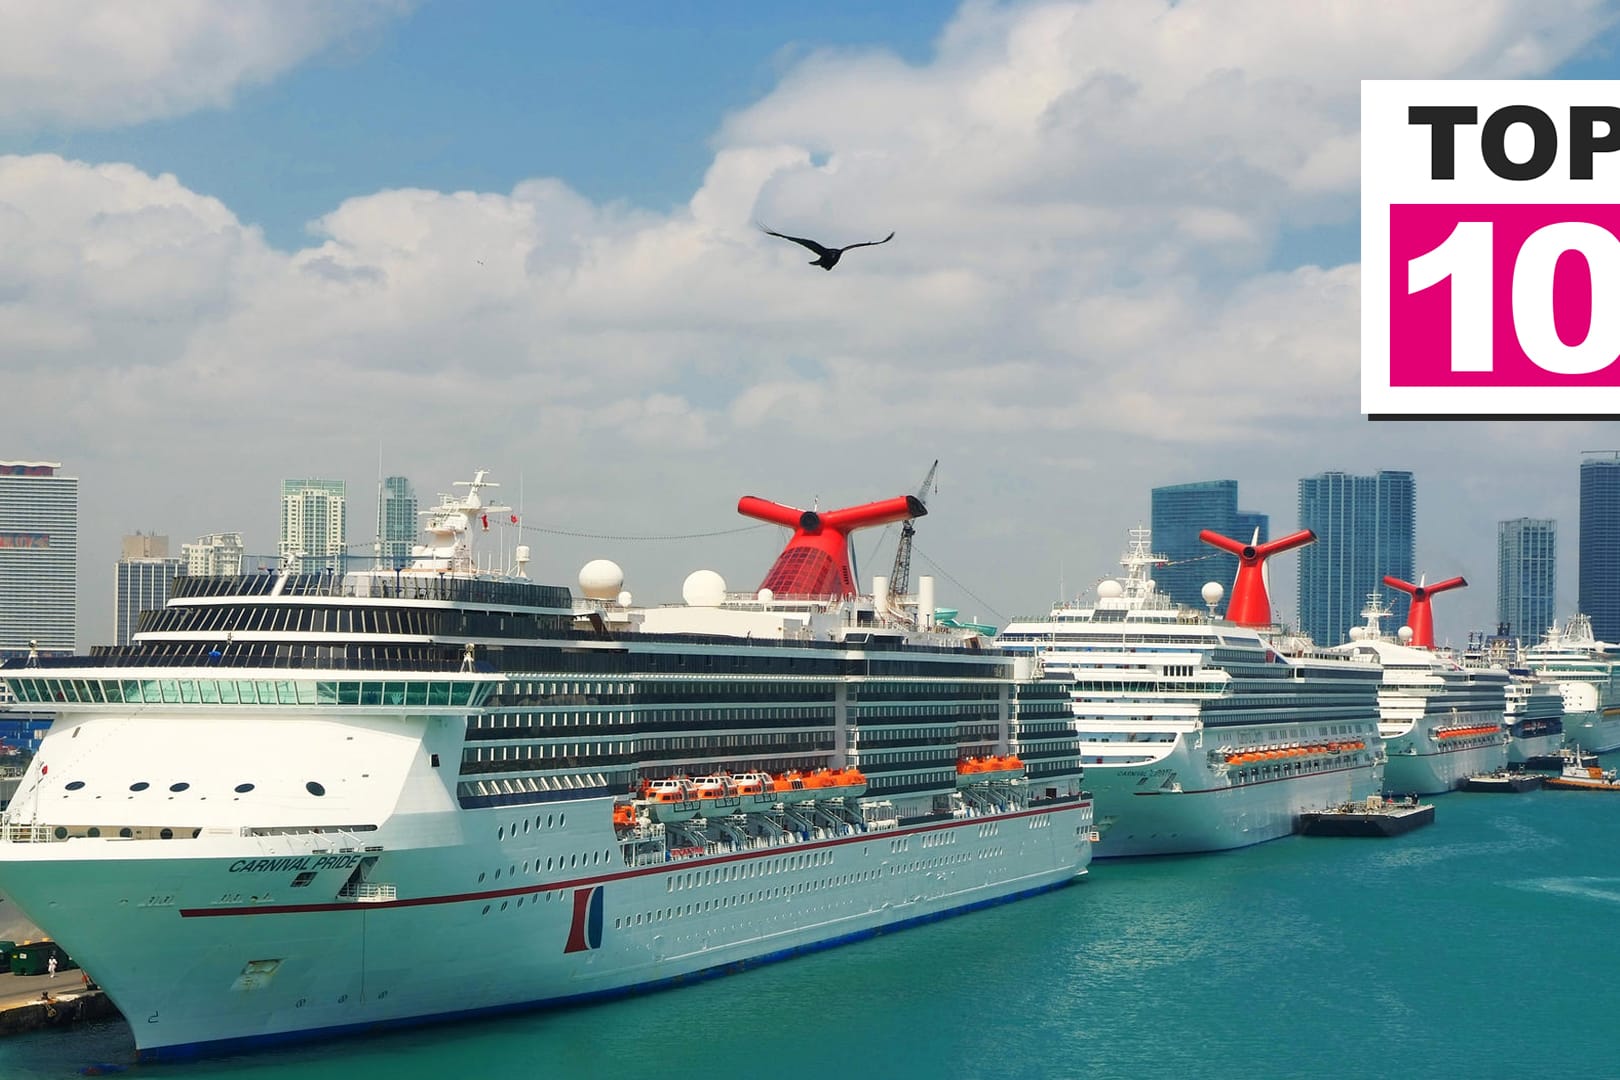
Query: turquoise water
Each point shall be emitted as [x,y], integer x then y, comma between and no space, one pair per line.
[1485,945]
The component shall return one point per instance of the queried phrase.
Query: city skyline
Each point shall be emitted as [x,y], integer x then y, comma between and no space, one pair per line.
[1126,244]
[227,552]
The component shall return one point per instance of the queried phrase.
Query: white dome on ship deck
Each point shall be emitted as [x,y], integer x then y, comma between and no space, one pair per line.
[1405,634]
[704,588]
[1109,589]
[601,579]
[1212,592]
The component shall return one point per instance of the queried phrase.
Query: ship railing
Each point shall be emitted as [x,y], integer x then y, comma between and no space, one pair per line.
[28,834]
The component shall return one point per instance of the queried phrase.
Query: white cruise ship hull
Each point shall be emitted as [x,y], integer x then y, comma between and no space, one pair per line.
[1596,731]
[1523,750]
[1424,766]
[1180,804]
[204,948]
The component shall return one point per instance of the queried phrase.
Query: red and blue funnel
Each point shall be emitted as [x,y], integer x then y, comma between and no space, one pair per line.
[1250,605]
[816,559]
[1421,616]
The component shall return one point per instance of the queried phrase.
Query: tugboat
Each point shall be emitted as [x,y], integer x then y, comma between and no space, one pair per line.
[1583,773]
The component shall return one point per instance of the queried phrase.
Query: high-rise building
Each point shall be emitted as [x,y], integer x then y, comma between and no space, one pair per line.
[314,526]
[214,555]
[1365,528]
[39,558]
[396,522]
[1600,545]
[1180,512]
[144,574]
[1526,576]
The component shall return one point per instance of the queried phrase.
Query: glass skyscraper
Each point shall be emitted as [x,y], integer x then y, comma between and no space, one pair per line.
[1179,512]
[397,527]
[1526,576]
[1365,528]
[314,526]
[144,575]
[1600,545]
[39,558]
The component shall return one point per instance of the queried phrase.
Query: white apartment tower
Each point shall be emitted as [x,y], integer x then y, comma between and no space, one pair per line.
[214,555]
[314,526]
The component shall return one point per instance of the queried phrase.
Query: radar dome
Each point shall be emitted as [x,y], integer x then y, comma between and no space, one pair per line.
[1212,592]
[601,579]
[766,596]
[703,588]
[1405,634]
[625,598]
[1109,589]
[1357,633]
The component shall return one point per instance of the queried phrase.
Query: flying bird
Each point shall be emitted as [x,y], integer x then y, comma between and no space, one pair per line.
[826,257]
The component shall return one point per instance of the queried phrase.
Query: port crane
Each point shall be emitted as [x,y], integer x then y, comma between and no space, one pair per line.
[900,578]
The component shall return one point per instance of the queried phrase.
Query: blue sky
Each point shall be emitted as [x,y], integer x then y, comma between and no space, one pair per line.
[520,237]
[620,100]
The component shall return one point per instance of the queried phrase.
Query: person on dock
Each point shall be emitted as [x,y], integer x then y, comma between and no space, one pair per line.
[50,965]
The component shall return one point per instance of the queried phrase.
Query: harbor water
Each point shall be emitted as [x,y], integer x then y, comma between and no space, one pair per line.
[1485,945]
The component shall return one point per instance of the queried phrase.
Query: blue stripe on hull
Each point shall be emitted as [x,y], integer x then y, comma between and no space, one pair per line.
[188,1051]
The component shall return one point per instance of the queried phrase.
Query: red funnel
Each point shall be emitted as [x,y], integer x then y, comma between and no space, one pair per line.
[1249,605]
[816,559]
[1421,617]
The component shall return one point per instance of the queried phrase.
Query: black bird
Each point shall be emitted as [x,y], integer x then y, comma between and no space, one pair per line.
[826,257]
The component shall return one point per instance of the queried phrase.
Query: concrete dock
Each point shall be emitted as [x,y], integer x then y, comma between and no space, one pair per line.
[23,1008]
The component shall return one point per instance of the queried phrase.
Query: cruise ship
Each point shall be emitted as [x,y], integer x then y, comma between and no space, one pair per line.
[1534,710]
[1441,721]
[1587,676]
[309,804]
[1204,734]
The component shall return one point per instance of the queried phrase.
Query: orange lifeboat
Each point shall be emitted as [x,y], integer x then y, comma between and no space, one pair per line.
[756,790]
[717,796]
[624,816]
[669,799]
[790,787]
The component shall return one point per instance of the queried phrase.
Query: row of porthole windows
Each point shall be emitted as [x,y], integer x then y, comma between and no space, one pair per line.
[551,820]
[743,871]
[506,903]
[125,833]
[571,862]
[701,906]
[931,864]
[313,787]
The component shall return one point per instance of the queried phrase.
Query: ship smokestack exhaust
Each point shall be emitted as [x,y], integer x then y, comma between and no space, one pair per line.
[815,561]
[1421,616]
[1250,604]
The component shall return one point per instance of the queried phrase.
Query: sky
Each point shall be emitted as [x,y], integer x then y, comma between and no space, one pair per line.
[254,239]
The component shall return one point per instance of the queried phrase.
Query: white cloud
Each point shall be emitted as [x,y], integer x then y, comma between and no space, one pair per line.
[1080,303]
[102,63]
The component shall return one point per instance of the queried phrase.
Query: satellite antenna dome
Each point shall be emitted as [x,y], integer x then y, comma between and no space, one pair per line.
[766,596]
[1212,592]
[703,588]
[601,579]
[1405,634]
[624,599]
[1357,633]
[1109,589]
